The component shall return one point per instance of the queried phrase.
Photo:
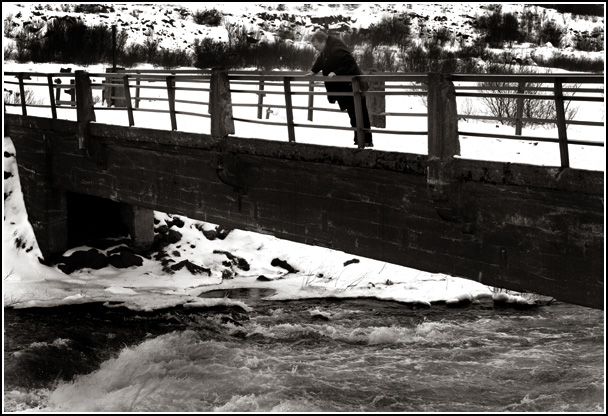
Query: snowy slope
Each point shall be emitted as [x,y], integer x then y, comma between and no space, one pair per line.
[173,25]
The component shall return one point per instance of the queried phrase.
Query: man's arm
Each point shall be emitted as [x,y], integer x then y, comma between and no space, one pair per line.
[318,65]
[347,64]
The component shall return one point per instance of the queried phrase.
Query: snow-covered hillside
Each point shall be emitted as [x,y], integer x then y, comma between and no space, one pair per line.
[173,24]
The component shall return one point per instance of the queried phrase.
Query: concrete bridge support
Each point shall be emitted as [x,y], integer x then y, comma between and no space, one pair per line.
[140,223]
[46,205]
[62,219]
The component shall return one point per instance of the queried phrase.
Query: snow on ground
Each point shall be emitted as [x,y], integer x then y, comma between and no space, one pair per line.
[321,272]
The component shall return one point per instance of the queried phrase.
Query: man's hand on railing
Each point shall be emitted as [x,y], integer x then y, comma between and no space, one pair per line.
[330,75]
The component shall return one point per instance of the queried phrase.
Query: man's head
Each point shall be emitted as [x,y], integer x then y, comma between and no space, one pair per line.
[318,40]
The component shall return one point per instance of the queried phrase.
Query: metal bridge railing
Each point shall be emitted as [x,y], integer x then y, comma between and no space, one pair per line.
[190,93]
[515,96]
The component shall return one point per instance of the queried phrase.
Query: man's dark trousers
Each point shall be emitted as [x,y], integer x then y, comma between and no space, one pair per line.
[348,103]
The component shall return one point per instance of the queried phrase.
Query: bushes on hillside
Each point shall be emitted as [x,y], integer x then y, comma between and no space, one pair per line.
[550,32]
[209,17]
[93,8]
[66,42]
[499,28]
[73,42]
[431,58]
[209,53]
[594,43]
[572,63]
[264,56]
[385,46]
[390,30]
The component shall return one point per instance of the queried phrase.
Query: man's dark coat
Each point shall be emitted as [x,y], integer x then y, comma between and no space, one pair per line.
[337,58]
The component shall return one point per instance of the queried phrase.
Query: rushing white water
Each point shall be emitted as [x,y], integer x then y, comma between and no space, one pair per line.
[349,356]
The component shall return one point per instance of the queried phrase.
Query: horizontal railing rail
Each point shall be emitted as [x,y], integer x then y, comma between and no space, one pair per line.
[510,95]
[190,93]
[293,85]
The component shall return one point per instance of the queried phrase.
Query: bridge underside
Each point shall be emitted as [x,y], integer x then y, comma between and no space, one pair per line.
[520,227]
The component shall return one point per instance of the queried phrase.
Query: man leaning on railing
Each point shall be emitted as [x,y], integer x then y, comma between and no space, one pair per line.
[335,59]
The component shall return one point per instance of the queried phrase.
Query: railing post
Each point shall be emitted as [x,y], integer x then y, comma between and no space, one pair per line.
[22,93]
[49,79]
[85,112]
[561,124]
[125,81]
[72,93]
[137,83]
[289,109]
[58,91]
[376,103]
[111,91]
[261,99]
[520,109]
[442,118]
[220,105]
[449,200]
[358,112]
[171,96]
[311,99]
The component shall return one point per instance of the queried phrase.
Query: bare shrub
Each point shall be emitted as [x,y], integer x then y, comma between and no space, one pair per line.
[150,46]
[208,17]
[497,27]
[93,8]
[14,97]
[366,57]
[431,58]
[10,51]
[550,32]
[75,42]
[212,54]
[506,107]
[581,63]
[391,30]
[8,28]
[593,43]
[169,59]
[443,36]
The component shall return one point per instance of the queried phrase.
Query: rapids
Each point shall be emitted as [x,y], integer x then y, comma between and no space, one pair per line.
[316,355]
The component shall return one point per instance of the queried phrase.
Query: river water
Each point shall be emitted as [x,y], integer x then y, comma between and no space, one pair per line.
[320,355]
